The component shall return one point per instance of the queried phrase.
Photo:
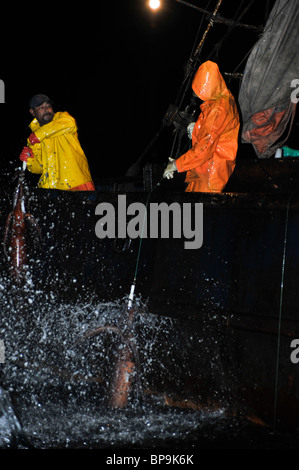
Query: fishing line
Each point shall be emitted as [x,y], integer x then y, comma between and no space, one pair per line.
[131,295]
[280,310]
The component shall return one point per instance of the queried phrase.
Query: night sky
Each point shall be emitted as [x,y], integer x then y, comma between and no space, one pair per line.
[116,67]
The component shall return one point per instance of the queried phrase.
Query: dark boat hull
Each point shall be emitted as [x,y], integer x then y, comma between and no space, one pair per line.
[233,300]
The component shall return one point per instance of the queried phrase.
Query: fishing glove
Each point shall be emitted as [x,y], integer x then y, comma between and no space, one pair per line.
[170,169]
[190,129]
[25,154]
[33,139]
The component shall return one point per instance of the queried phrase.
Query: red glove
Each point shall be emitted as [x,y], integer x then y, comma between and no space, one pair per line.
[33,139]
[25,154]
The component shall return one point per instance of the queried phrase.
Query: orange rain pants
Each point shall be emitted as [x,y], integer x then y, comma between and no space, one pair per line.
[212,158]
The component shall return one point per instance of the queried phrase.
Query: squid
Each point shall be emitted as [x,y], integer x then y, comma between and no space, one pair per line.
[125,365]
[14,243]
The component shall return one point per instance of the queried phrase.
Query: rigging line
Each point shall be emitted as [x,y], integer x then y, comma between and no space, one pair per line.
[190,70]
[235,20]
[235,15]
[263,32]
[200,25]
[219,19]
[157,135]
[246,55]
[275,16]
[267,10]
[211,22]
[280,310]
[218,46]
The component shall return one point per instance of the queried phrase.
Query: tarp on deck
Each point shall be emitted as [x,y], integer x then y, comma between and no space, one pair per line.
[266,95]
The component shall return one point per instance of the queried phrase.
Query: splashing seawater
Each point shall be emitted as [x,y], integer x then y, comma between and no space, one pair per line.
[57,373]
[56,377]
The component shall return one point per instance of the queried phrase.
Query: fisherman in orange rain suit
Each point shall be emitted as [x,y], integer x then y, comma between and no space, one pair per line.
[54,150]
[212,158]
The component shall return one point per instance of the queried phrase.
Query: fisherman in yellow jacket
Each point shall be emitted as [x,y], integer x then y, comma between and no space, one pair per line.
[54,150]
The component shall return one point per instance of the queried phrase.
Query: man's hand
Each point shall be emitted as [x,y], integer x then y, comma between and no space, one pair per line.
[33,139]
[25,154]
[170,169]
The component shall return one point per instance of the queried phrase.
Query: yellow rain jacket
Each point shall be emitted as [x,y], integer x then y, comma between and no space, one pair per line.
[59,156]
[212,158]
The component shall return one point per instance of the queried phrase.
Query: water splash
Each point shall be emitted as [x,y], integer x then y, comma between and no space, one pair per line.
[55,426]
[10,428]
[58,375]
[56,378]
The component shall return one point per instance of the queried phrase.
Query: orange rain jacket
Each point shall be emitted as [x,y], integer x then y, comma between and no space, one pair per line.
[212,158]
[59,156]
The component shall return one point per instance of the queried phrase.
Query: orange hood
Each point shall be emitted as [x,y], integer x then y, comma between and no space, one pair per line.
[208,83]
